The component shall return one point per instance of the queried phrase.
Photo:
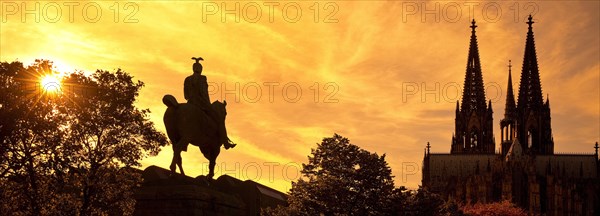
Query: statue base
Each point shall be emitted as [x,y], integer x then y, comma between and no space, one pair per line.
[162,194]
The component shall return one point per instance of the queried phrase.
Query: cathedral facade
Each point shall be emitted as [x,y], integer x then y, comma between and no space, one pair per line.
[525,170]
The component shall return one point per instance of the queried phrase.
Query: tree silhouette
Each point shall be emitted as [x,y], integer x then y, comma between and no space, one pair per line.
[340,179]
[343,179]
[423,202]
[64,153]
[28,135]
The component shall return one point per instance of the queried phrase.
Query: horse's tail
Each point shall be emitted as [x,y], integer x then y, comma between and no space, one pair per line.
[170,118]
[170,101]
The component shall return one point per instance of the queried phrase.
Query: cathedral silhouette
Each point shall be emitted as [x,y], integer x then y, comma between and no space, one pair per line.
[525,171]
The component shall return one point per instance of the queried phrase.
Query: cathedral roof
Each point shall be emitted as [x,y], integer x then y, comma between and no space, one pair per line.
[459,165]
[515,153]
[573,165]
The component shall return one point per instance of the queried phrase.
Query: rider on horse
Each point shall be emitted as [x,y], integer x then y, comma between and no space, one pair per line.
[196,93]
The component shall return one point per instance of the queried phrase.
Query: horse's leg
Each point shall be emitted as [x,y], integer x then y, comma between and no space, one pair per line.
[173,162]
[211,168]
[212,160]
[179,162]
[177,148]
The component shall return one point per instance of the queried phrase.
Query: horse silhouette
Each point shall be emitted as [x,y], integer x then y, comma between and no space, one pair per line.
[187,123]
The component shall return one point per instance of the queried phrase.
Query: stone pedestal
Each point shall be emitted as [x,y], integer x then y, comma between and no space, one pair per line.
[162,194]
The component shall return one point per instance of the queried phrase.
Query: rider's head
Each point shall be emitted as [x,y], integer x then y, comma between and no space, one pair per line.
[197,67]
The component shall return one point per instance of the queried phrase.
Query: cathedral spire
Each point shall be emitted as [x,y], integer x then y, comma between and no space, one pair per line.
[474,122]
[473,98]
[508,124]
[509,110]
[530,90]
[534,116]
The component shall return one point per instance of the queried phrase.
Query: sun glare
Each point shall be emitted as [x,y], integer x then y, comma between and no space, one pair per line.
[50,83]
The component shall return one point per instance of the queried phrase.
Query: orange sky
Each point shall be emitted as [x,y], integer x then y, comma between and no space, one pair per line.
[370,60]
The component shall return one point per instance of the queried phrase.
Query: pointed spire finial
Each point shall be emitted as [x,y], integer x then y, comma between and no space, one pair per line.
[530,22]
[509,66]
[473,26]
[428,148]
[596,147]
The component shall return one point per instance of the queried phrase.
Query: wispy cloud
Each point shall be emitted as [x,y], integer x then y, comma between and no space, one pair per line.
[370,55]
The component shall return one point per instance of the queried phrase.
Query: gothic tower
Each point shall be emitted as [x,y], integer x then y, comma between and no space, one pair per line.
[473,122]
[508,123]
[534,132]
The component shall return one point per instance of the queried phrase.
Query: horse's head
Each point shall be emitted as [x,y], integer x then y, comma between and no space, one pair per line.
[220,108]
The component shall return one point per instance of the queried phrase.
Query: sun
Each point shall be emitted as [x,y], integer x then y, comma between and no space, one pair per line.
[50,83]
